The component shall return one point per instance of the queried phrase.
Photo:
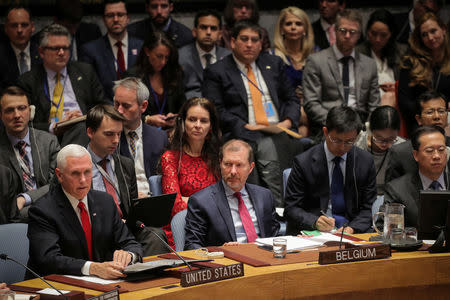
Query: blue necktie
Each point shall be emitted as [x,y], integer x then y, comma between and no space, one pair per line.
[346,77]
[337,194]
[435,186]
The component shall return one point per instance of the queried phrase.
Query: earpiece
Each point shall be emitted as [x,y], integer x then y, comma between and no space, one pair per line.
[32,112]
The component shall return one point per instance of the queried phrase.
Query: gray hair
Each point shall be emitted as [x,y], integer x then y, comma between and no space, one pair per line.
[351,15]
[71,150]
[235,145]
[53,29]
[135,84]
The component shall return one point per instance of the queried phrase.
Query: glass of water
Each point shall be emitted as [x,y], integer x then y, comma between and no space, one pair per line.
[279,247]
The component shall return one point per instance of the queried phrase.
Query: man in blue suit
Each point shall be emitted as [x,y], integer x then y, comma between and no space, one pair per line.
[198,55]
[113,53]
[141,142]
[231,210]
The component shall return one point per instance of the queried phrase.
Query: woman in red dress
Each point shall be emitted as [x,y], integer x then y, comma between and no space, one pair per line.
[192,161]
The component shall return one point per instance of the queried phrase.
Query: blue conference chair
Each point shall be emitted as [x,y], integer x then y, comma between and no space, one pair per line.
[155,185]
[177,224]
[14,243]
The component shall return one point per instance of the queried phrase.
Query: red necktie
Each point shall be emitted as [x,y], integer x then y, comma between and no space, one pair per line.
[86,226]
[120,60]
[246,219]
[109,187]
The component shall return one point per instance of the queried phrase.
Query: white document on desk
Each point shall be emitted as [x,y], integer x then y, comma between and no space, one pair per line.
[94,279]
[293,242]
[328,237]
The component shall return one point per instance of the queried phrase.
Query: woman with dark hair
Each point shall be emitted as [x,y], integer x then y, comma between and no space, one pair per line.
[192,161]
[384,124]
[238,10]
[426,66]
[387,53]
[157,66]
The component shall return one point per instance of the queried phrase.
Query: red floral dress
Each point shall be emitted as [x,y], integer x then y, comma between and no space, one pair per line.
[193,176]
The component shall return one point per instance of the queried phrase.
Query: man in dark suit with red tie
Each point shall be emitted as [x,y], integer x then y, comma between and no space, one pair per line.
[75,230]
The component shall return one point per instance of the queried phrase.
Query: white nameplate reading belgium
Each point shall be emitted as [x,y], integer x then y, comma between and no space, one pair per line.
[211,274]
[354,254]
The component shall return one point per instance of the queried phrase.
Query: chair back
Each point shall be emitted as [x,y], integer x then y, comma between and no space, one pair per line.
[14,243]
[177,224]
[155,185]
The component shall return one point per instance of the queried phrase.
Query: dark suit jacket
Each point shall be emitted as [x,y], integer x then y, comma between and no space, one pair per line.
[320,36]
[189,60]
[308,189]
[85,84]
[209,221]
[44,148]
[405,190]
[224,86]
[7,195]
[403,29]
[57,241]
[177,32]
[10,66]
[126,177]
[99,54]
[154,142]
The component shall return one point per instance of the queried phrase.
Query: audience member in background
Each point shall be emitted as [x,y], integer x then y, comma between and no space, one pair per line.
[407,22]
[382,133]
[114,174]
[61,90]
[113,53]
[192,161]
[428,143]
[160,20]
[387,53]
[340,76]
[74,230]
[157,66]
[239,10]
[69,13]
[198,55]
[29,153]
[425,67]
[333,183]
[7,196]
[294,41]
[431,110]
[253,94]
[17,53]
[325,28]
[231,211]
[142,143]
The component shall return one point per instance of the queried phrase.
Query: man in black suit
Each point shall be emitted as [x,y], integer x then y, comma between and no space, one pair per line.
[429,151]
[75,230]
[196,56]
[18,54]
[33,164]
[431,110]
[160,19]
[231,210]
[143,143]
[61,90]
[324,27]
[114,173]
[252,95]
[332,184]
[112,54]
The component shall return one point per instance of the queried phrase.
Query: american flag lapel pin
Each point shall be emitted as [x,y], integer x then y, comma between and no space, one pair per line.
[268,67]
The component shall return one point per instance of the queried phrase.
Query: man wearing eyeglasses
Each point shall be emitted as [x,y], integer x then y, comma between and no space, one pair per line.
[61,90]
[429,150]
[340,76]
[431,110]
[112,54]
[333,184]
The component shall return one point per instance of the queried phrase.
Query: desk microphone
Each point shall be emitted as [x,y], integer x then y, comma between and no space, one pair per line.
[141,226]
[342,234]
[6,257]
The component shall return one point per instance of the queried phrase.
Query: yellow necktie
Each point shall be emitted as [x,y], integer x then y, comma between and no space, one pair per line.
[258,108]
[57,100]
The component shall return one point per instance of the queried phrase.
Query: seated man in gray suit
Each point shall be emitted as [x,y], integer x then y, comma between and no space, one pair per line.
[231,210]
[340,76]
[29,153]
[430,154]
[196,56]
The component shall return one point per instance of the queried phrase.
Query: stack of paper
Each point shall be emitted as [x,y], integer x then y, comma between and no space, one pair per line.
[293,242]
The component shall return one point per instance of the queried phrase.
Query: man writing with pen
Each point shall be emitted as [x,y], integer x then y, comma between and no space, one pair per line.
[333,184]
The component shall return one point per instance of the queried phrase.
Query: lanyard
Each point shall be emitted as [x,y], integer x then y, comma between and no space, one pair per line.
[107,177]
[155,96]
[47,94]
[253,83]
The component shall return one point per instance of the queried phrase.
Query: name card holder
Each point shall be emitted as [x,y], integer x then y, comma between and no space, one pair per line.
[205,275]
[366,252]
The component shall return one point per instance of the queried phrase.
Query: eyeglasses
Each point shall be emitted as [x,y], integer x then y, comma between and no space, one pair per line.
[57,48]
[246,38]
[118,15]
[384,141]
[431,112]
[340,142]
[344,31]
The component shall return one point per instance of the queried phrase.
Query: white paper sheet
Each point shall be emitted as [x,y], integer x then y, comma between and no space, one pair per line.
[50,291]
[293,242]
[94,279]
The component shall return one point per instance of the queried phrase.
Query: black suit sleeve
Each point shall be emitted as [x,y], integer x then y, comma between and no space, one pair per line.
[8,203]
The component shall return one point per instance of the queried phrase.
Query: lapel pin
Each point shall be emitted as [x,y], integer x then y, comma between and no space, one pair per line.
[134,51]
[94,214]
[268,67]
[79,78]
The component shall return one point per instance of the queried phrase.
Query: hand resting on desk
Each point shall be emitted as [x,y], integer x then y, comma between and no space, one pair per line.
[112,269]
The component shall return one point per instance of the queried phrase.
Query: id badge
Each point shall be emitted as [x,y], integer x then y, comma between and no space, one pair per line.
[54,120]
[268,107]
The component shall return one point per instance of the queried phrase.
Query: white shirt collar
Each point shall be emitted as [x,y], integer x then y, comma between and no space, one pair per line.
[241,66]
[330,156]
[51,74]
[339,54]
[137,130]
[17,50]
[427,181]
[202,52]
[74,201]
[113,41]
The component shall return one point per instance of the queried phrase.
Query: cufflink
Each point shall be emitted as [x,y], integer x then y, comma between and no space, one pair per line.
[79,78]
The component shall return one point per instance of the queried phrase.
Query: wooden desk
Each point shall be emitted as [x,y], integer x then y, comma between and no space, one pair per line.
[408,275]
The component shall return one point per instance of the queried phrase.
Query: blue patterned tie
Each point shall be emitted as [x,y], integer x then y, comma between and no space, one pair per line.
[133,138]
[337,193]
[435,186]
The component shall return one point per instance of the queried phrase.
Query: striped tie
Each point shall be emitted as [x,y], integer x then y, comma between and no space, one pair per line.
[26,171]
[133,138]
